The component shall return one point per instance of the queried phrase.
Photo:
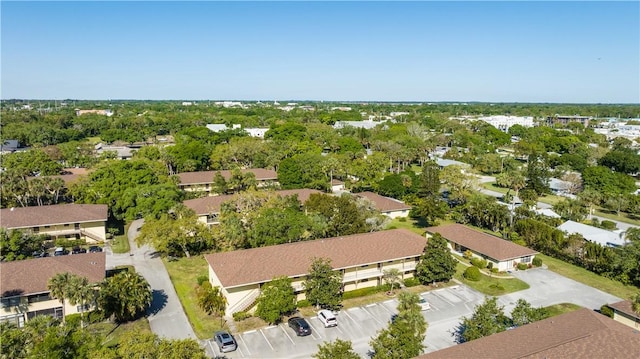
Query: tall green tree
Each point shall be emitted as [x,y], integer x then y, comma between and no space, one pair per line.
[125,296]
[323,285]
[405,334]
[338,349]
[523,313]
[436,263]
[340,213]
[277,298]
[82,293]
[488,318]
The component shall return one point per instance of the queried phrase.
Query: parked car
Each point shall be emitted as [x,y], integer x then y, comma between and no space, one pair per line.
[300,326]
[424,304]
[225,341]
[95,249]
[327,318]
[60,252]
[40,254]
[78,250]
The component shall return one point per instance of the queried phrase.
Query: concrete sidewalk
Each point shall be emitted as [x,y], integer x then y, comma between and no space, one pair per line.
[166,316]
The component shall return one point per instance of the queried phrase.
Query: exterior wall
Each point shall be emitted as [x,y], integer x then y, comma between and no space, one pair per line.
[397,214]
[91,231]
[353,278]
[19,312]
[626,319]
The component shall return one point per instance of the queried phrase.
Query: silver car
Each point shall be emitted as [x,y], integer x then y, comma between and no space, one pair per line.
[225,341]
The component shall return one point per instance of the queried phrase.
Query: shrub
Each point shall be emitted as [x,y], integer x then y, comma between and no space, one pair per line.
[606,224]
[402,219]
[490,265]
[472,274]
[477,262]
[303,303]
[494,270]
[238,316]
[606,310]
[522,266]
[202,278]
[411,282]
[496,286]
[537,261]
[365,291]
[467,254]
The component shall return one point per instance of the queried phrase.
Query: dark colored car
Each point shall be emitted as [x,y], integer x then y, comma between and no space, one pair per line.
[225,341]
[300,326]
[40,254]
[60,252]
[78,250]
[95,249]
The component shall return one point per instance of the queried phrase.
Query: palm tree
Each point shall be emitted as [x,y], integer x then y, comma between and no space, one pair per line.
[125,296]
[82,292]
[60,288]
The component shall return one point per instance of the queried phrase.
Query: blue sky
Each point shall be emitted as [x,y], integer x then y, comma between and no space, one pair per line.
[334,51]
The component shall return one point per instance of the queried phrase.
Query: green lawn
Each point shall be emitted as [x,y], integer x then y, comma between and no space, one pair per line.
[184,273]
[589,278]
[493,285]
[112,331]
[120,244]
[561,308]
[492,187]
[408,223]
[623,217]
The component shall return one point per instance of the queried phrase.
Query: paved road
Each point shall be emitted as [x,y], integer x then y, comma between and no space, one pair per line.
[166,316]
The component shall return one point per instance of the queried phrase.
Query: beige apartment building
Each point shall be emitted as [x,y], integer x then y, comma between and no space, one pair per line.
[361,258]
[202,181]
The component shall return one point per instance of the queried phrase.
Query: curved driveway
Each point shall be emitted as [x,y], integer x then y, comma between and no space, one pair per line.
[166,316]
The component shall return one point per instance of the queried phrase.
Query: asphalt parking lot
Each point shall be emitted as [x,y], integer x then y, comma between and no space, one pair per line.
[358,325]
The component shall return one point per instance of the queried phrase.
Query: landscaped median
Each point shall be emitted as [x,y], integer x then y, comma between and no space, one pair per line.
[490,284]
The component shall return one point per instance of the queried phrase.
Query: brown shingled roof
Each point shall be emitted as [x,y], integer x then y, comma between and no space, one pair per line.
[259,265]
[384,204]
[30,276]
[625,307]
[579,334]
[213,204]
[203,177]
[483,243]
[24,217]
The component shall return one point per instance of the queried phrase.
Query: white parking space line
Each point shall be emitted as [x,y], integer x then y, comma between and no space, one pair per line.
[212,349]
[287,334]
[372,316]
[314,329]
[267,340]
[443,298]
[245,344]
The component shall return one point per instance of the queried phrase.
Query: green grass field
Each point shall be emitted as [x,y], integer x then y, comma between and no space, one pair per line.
[589,278]
[184,273]
[120,244]
[491,285]
[112,331]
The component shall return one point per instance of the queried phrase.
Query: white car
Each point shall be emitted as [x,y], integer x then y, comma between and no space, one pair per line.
[424,304]
[327,318]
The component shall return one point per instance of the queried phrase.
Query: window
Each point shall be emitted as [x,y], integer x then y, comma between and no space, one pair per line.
[10,302]
[47,226]
[36,230]
[39,298]
[76,226]
[80,308]
[526,259]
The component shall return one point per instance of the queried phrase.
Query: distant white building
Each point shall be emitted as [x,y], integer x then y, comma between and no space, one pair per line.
[503,123]
[368,124]
[593,234]
[256,132]
[217,127]
[227,104]
[187,103]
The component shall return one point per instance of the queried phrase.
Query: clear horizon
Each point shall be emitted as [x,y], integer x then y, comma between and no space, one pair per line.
[492,52]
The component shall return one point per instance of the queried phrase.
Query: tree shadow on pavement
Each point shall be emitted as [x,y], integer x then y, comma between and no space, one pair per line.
[158,301]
